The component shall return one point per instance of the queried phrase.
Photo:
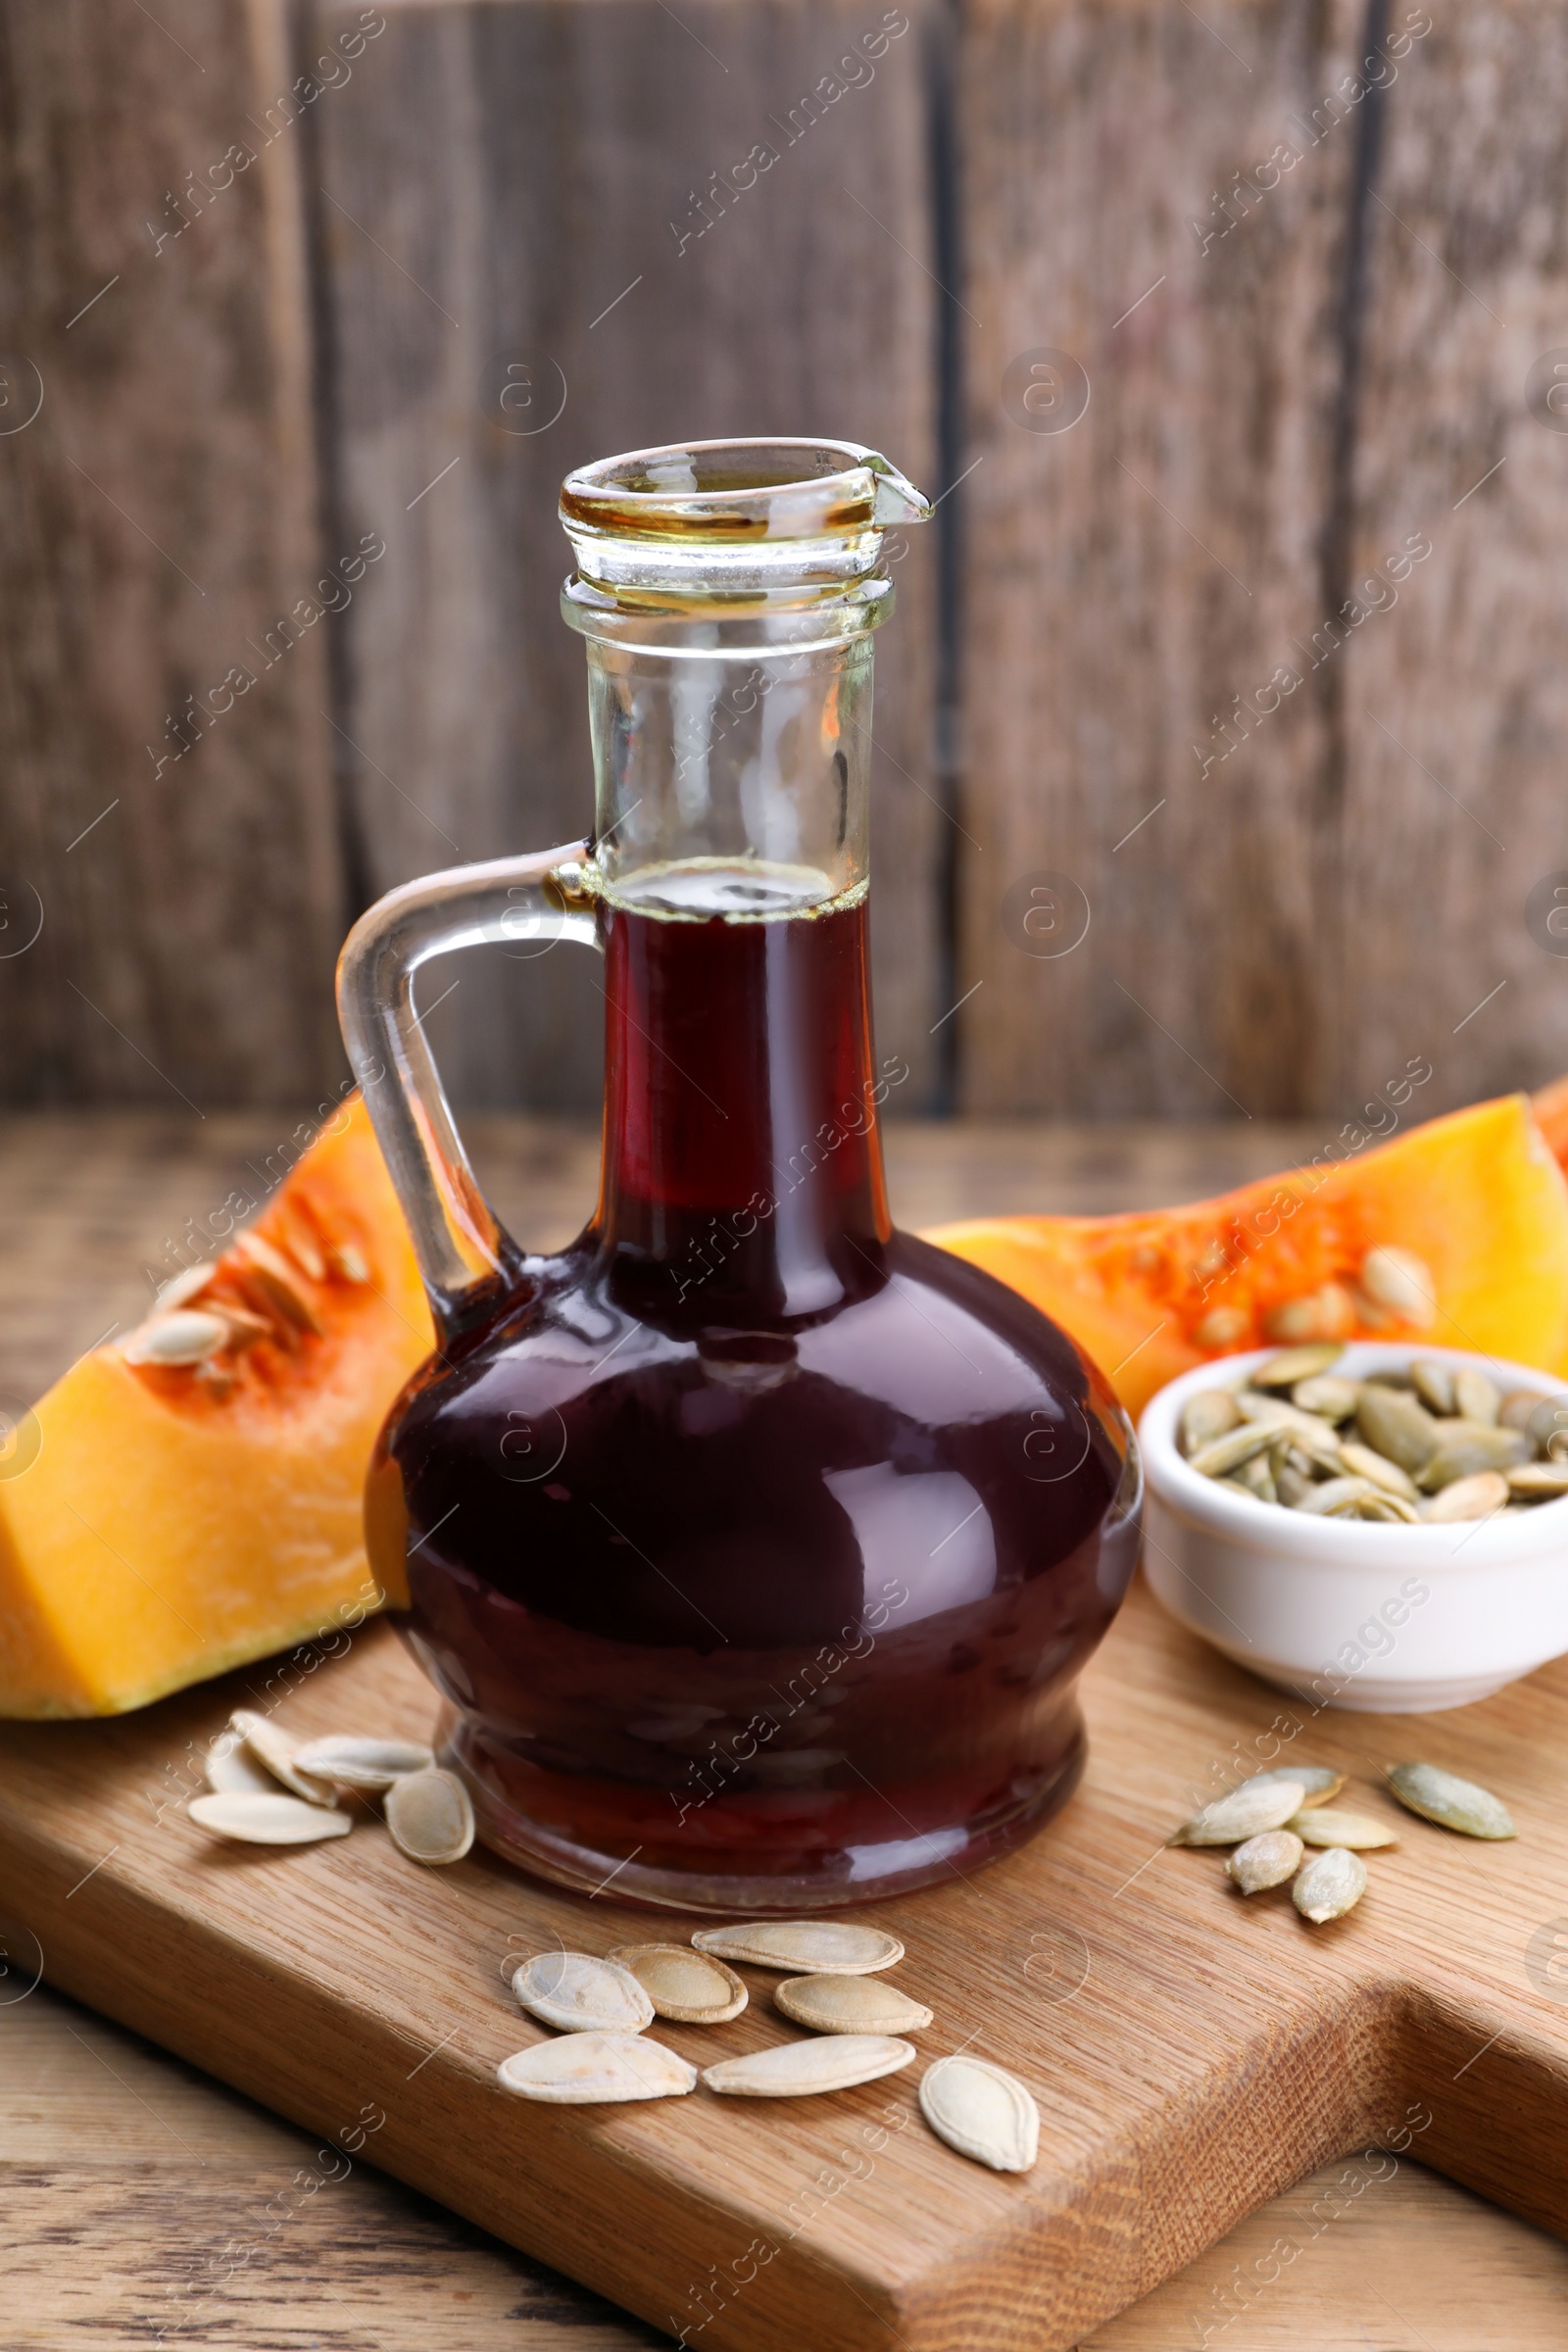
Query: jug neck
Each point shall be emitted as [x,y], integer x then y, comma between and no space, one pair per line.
[742,1179]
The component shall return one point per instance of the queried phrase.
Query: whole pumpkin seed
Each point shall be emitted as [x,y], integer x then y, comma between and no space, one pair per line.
[1266,1860]
[982,2111]
[1397,1425]
[1229,1453]
[1433,1382]
[850,2005]
[1399,1279]
[1283,1371]
[1476,1497]
[579,1994]
[1332,1882]
[266,1820]
[1331,1825]
[1261,1804]
[232,1770]
[799,2070]
[187,1335]
[1207,1416]
[803,1948]
[1537,1482]
[352,1762]
[274,1750]
[593,2070]
[1442,1796]
[691,1987]
[1319,1782]
[1363,1462]
[429,1816]
[1328,1397]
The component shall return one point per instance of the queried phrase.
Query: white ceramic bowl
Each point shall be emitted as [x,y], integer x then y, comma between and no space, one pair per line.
[1388,1619]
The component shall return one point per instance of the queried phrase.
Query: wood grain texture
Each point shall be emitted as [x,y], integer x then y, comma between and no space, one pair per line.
[159,521]
[1456,703]
[1192,2054]
[505,184]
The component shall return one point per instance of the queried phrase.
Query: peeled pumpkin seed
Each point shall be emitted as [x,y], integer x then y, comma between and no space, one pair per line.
[276,1752]
[269,1820]
[1387,1508]
[1433,1382]
[691,1987]
[1465,1447]
[353,1762]
[982,2111]
[1399,1279]
[429,1816]
[799,2070]
[1547,1428]
[1207,1416]
[1328,1397]
[850,2005]
[1266,1860]
[1337,1495]
[1474,1396]
[1291,1486]
[1329,1884]
[1517,1408]
[1229,1453]
[803,1948]
[1255,1805]
[232,1770]
[1394,1424]
[1296,1363]
[1330,1824]
[595,2070]
[1455,1804]
[579,1994]
[1319,1782]
[1473,1497]
[1363,1462]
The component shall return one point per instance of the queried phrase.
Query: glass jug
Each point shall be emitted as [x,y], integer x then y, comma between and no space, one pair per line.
[756,1545]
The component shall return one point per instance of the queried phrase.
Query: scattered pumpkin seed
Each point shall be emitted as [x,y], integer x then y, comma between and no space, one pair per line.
[1260,1804]
[595,2070]
[799,2070]
[691,1987]
[1328,1884]
[982,2111]
[1295,1364]
[1267,1860]
[232,1770]
[1399,1279]
[803,1948]
[1207,1416]
[1318,1780]
[1442,1796]
[429,1816]
[352,1762]
[850,2005]
[1473,1497]
[579,1994]
[274,1750]
[266,1820]
[1331,1825]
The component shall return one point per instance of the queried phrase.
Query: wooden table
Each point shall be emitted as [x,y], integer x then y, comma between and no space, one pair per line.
[121,2170]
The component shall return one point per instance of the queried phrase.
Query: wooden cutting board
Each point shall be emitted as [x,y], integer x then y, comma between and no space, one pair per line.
[1191,2054]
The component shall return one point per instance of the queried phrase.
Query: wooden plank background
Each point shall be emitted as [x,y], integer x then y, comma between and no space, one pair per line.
[1294,367]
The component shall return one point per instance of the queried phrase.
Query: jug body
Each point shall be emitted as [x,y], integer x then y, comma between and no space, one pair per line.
[756,1545]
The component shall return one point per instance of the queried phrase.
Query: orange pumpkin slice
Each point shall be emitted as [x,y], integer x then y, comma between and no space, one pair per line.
[195,1500]
[1456,1232]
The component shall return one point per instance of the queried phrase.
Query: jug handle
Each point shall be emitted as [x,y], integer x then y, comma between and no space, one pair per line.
[465,1252]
